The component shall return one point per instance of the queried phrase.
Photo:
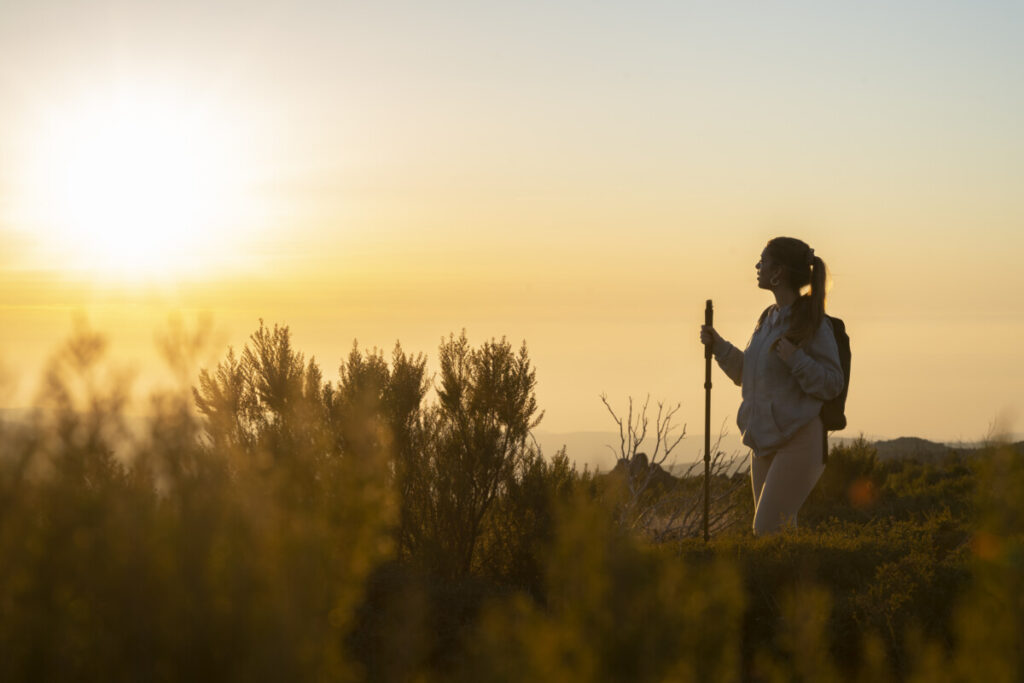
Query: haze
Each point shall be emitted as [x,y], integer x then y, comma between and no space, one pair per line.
[579,175]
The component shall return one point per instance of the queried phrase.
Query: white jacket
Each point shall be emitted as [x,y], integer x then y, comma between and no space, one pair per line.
[780,398]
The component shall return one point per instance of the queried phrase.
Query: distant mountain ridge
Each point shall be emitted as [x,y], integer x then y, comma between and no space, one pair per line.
[592,448]
[912,447]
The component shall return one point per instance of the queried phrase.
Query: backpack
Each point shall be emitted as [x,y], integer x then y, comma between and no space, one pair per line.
[833,411]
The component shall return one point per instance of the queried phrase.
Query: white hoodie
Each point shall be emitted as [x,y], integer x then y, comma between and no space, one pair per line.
[780,398]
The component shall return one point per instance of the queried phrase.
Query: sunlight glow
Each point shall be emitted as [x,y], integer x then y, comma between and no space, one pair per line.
[136,185]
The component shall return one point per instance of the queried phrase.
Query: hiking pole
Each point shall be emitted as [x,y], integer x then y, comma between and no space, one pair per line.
[708,316]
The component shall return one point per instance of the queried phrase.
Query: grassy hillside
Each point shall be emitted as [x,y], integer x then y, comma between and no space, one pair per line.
[272,525]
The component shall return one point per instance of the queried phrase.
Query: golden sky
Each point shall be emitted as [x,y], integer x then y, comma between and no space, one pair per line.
[579,175]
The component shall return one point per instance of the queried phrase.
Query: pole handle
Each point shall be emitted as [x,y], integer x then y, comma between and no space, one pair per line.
[709,316]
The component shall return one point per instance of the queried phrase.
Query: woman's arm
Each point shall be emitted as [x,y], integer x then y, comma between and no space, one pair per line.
[817,370]
[730,359]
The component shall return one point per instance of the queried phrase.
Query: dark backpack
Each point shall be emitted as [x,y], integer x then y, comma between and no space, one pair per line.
[833,411]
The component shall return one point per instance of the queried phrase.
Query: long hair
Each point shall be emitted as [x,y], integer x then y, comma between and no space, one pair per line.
[801,268]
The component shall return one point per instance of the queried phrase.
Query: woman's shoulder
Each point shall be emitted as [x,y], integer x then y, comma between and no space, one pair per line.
[765,313]
[824,339]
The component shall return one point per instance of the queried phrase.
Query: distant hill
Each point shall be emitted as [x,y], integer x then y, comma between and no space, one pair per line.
[592,448]
[912,447]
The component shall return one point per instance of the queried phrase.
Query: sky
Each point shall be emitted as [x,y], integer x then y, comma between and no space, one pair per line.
[578,175]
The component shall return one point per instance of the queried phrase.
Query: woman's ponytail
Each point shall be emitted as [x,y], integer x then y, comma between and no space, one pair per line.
[816,302]
[802,268]
[818,275]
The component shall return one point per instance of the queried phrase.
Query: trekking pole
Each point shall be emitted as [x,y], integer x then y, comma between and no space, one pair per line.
[708,316]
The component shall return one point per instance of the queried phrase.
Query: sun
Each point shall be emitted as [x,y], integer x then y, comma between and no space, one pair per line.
[137,184]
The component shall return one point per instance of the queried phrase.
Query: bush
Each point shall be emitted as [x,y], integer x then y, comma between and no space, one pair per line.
[181,558]
[302,529]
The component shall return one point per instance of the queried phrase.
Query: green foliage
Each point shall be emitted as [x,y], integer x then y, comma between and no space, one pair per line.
[376,406]
[990,620]
[857,487]
[176,560]
[849,484]
[473,448]
[270,525]
[615,610]
[882,578]
[522,524]
[265,407]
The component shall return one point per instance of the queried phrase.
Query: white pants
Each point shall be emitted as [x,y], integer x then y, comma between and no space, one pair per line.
[782,480]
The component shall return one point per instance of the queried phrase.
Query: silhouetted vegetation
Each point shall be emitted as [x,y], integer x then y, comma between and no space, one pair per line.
[271,524]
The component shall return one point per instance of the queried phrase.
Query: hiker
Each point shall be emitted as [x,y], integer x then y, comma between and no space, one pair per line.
[790,367]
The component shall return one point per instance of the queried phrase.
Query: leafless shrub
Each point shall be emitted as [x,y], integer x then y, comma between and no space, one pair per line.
[655,502]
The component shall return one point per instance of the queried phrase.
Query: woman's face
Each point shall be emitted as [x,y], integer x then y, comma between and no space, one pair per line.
[766,269]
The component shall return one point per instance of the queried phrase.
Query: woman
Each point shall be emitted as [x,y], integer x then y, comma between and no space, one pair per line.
[790,366]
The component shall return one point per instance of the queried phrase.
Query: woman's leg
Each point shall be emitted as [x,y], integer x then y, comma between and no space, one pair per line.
[792,474]
[759,465]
